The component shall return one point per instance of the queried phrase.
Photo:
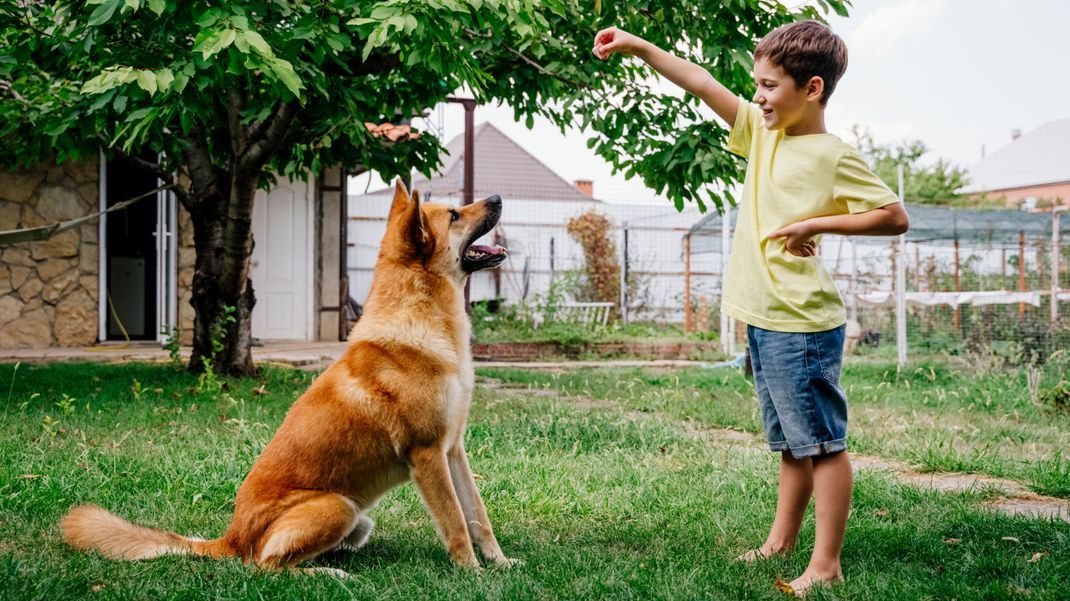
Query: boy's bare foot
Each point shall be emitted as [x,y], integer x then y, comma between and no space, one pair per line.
[764,552]
[809,579]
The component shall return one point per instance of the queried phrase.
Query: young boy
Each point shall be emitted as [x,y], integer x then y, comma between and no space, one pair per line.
[801,182]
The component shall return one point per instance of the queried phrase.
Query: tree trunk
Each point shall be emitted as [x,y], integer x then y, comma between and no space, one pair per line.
[220,202]
[223,297]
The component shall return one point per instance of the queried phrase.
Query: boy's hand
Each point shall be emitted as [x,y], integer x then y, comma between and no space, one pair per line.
[611,40]
[798,239]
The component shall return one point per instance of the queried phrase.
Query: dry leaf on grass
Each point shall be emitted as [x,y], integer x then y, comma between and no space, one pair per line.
[1036,557]
[952,541]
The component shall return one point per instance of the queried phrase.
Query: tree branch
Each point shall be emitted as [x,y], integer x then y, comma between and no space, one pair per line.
[152,168]
[202,173]
[239,138]
[5,86]
[529,61]
[259,149]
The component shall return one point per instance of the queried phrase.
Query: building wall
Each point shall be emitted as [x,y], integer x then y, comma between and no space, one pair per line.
[1014,196]
[49,289]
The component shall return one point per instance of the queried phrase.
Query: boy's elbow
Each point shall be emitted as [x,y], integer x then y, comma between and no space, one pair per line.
[898,221]
[902,223]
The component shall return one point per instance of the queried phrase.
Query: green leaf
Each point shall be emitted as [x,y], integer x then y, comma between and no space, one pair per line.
[103,13]
[146,80]
[164,77]
[180,82]
[258,43]
[58,129]
[209,18]
[215,42]
[284,71]
[157,6]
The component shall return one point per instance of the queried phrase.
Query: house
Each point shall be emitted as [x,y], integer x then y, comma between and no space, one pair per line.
[537,203]
[1032,168]
[128,273]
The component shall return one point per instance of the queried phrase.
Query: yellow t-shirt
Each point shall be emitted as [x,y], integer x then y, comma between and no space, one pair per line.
[790,178]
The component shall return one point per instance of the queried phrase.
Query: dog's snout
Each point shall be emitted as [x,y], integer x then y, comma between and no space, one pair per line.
[494,200]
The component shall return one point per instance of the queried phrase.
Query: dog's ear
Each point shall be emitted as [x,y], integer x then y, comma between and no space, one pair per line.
[413,226]
[401,200]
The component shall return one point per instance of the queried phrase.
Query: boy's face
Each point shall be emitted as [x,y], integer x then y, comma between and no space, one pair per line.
[783,104]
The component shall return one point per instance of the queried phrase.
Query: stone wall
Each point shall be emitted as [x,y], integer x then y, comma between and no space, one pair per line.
[187,257]
[48,289]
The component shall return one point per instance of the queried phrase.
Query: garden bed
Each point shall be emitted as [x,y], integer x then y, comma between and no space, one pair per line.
[546,351]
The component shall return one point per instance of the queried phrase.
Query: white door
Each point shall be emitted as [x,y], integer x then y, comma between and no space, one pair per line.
[282,262]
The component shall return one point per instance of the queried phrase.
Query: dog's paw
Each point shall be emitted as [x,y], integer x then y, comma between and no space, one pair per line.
[508,562]
[332,572]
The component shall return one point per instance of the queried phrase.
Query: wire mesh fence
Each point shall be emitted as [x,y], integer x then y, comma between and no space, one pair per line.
[989,282]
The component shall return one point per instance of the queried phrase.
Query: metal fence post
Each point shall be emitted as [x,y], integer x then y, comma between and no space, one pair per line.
[900,290]
[687,282]
[624,275]
[727,344]
[1055,235]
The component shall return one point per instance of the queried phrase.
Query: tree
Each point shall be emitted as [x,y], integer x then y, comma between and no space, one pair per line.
[230,94]
[935,183]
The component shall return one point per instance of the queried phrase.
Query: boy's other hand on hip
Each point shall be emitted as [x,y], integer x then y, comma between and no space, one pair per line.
[611,40]
[798,239]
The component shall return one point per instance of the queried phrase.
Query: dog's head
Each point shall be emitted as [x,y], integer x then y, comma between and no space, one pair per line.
[440,237]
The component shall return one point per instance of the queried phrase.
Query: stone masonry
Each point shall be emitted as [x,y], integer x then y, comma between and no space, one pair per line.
[48,289]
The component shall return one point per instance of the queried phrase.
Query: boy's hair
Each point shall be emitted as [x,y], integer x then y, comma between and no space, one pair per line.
[806,49]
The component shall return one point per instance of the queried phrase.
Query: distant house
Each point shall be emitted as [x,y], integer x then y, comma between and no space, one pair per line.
[1034,167]
[128,274]
[537,203]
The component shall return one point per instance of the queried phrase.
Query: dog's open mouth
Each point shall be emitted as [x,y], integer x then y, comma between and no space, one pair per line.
[479,256]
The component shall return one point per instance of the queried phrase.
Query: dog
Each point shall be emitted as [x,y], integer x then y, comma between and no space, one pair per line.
[393,408]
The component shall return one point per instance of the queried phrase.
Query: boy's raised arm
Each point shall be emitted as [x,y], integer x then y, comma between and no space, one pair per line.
[681,72]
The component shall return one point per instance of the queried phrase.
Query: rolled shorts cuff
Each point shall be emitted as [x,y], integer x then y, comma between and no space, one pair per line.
[810,450]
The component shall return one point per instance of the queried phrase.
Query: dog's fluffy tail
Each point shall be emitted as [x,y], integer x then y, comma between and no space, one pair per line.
[91,528]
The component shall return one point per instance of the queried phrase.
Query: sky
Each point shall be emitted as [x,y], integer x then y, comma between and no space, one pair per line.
[959,75]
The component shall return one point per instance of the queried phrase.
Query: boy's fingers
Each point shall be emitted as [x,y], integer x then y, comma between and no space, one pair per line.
[605,35]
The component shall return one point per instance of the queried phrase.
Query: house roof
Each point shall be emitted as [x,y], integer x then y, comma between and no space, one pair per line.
[1035,158]
[501,167]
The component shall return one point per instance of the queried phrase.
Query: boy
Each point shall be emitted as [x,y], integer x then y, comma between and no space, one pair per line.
[801,182]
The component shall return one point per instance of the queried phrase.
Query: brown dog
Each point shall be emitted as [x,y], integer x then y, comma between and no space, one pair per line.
[393,407]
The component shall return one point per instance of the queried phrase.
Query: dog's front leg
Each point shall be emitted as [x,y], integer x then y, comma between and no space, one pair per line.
[475,513]
[432,478]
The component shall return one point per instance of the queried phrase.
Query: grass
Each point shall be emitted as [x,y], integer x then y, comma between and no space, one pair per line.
[932,415]
[601,500]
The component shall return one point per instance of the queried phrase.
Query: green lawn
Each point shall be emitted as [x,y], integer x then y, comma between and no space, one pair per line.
[602,500]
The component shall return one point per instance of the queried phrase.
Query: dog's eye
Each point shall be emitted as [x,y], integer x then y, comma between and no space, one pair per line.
[454,215]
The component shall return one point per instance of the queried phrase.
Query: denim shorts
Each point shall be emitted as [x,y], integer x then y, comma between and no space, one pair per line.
[797,378]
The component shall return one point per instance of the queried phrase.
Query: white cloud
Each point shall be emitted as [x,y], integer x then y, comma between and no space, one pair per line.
[883,29]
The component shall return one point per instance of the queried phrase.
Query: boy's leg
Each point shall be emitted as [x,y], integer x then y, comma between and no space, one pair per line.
[796,475]
[833,483]
[793,496]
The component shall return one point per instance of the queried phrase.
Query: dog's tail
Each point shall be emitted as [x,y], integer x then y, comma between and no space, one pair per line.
[91,528]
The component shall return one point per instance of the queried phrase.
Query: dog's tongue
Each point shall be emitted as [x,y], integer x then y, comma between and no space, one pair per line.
[490,250]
